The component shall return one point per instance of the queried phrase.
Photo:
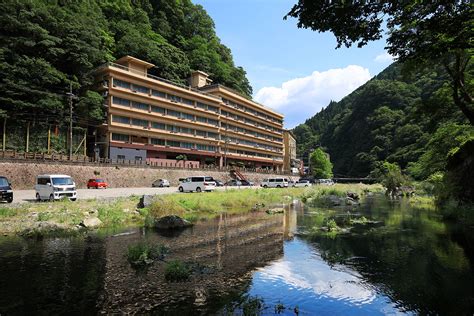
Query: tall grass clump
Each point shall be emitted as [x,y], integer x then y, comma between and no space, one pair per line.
[177,271]
[143,254]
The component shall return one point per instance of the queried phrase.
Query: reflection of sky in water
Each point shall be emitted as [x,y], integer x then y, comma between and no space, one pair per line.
[301,278]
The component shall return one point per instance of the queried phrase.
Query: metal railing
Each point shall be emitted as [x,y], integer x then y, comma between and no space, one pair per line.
[14,156]
[182,86]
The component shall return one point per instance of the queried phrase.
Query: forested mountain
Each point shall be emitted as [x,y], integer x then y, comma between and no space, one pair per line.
[47,45]
[401,117]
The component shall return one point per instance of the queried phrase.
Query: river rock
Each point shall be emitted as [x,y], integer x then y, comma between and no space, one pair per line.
[277,210]
[334,200]
[172,222]
[351,201]
[146,201]
[91,222]
[352,195]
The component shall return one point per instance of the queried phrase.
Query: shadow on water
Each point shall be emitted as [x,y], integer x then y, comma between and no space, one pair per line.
[399,259]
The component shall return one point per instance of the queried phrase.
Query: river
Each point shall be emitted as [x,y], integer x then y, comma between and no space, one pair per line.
[390,258]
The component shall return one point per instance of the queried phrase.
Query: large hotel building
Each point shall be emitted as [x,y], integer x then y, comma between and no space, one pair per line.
[153,119]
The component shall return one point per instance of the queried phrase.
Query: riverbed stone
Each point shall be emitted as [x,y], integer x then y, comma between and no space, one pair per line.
[351,201]
[277,210]
[171,222]
[334,200]
[91,222]
[352,195]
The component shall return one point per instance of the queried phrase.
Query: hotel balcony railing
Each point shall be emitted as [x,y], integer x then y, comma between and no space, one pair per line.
[182,86]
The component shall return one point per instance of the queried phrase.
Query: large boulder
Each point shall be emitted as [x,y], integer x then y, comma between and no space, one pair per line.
[334,200]
[91,222]
[352,195]
[171,222]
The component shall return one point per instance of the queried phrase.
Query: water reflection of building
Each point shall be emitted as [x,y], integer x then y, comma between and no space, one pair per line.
[227,250]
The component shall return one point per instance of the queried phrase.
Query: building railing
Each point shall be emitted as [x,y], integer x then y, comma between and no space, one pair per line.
[182,86]
[11,155]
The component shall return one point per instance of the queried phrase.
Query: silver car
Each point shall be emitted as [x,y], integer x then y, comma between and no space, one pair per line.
[160,183]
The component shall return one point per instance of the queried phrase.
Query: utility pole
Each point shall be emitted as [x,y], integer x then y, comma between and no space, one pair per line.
[4,132]
[70,95]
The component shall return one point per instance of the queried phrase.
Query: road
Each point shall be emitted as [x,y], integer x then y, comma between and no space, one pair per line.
[23,196]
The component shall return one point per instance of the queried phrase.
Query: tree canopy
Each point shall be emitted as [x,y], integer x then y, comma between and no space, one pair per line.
[47,45]
[418,34]
[390,118]
[321,166]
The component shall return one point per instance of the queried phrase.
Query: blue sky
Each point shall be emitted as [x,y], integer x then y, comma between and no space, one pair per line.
[295,71]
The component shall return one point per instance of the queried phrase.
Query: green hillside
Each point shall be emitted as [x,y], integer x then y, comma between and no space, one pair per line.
[408,119]
[47,45]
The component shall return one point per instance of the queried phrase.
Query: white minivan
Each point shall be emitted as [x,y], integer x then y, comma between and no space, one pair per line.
[198,184]
[54,187]
[275,183]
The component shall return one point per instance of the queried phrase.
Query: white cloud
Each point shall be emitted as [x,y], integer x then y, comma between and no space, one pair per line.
[384,58]
[301,98]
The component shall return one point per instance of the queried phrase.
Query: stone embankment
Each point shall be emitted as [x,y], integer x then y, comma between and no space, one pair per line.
[23,175]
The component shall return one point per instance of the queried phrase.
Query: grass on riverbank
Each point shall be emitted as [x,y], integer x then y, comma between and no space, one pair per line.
[191,206]
[67,214]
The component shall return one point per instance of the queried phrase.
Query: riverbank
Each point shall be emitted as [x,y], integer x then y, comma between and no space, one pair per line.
[66,216]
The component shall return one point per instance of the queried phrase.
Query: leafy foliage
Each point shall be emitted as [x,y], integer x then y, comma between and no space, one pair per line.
[46,46]
[321,165]
[394,117]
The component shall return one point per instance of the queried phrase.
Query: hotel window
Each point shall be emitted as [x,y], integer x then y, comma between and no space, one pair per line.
[156,141]
[187,116]
[120,119]
[172,143]
[120,101]
[211,148]
[173,113]
[201,133]
[141,89]
[159,94]
[120,137]
[188,102]
[201,147]
[173,98]
[158,125]
[201,119]
[213,108]
[202,106]
[186,145]
[157,109]
[139,122]
[186,130]
[140,106]
[173,129]
[212,122]
[121,83]
[212,135]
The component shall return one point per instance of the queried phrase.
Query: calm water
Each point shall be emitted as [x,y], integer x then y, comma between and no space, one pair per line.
[403,260]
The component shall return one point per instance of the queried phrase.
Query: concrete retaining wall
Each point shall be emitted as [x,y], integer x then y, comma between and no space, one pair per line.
[23,175]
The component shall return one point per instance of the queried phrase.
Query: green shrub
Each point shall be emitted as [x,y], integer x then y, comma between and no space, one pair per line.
[143,254]
[177,271]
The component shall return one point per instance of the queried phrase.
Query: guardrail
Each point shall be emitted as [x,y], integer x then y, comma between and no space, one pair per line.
[13,156]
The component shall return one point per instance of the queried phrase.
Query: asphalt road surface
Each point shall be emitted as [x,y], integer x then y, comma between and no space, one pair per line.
[23,196]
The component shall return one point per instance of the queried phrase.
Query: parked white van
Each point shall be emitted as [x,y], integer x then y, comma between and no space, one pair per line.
[198,184]
[275,183]
[54,187]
